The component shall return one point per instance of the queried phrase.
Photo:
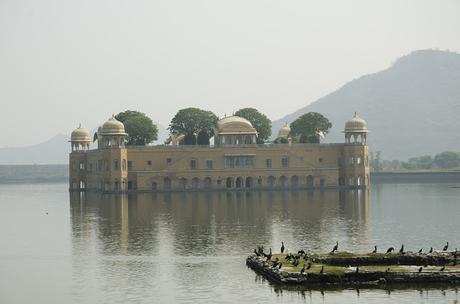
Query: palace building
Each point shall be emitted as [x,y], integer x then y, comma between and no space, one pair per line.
[233,161]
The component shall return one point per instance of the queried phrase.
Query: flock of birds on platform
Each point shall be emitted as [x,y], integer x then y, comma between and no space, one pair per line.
[294,259]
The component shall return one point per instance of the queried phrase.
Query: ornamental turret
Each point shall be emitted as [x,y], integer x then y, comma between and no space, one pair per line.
[356,131]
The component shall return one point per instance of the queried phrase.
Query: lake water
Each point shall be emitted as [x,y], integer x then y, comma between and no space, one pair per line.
[58,247]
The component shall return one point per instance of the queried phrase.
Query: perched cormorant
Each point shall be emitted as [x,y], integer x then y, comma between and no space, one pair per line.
[269,255]
[303,269]
[388,269]
[280,264]
[446,247]
[402,249]
[420,251]
[442,269]
[256,252]
[322,269]
[282,247]
[335,247]
[375,249]
[431,250]
[420,269]
[309,265]
[357,269]
[390,249]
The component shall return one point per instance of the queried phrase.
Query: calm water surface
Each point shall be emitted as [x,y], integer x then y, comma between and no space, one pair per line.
[58,247]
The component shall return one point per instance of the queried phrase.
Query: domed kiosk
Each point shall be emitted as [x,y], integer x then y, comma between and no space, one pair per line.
[80,139]
[356,131]
[111,134]
[234,130]
[284,132]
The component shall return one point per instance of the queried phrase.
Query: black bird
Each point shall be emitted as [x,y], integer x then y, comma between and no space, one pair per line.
[322,269]
[388,269]
[442,269]
[301,252]
[420,251]
[256,252]
[420,269]
[375,249]
[303,269]
[431,250]
[280,264]
[335,247]
[282,247]
[357,269]
[402,249]
[390,249]
[446,247]
[269,255]
[308,265]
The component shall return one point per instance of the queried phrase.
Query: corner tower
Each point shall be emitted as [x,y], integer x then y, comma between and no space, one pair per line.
[112,157]
[355,161]
[79,141]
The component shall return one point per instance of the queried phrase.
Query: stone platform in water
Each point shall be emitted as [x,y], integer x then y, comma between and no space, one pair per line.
[374,270]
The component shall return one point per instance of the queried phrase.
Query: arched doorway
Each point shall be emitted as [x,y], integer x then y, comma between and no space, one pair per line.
[239,182]
[167,184]
[183,183]
[283,182]
[271,182]
[229,183]
[310,181]
[207,183]
[249,182]
[195,183]
[295,182]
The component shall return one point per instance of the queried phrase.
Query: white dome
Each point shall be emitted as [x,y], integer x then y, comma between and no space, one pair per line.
[80,135]
[356,125]
[113,127]
[235,124]
[284,131]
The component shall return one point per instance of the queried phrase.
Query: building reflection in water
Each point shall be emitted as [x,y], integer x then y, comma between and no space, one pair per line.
[198,235]
[210,223]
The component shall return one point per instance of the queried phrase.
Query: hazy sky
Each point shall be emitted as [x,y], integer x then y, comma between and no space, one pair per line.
[63,62]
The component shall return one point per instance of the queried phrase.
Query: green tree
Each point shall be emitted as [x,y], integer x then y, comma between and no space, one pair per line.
[447,160]
[259,121]
[140,128]
[306,128]
[195,124]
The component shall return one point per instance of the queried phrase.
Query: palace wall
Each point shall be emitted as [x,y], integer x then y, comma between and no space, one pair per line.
[179,168]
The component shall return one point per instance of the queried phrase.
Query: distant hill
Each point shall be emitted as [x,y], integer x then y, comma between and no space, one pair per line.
[412,108]
[54,151]
[33,173]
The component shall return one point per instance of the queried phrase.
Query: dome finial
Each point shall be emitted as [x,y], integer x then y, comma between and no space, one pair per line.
[355,114]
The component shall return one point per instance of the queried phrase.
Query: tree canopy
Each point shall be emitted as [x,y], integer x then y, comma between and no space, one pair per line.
[196,124]
[140,128]
[306,128]
[259,121]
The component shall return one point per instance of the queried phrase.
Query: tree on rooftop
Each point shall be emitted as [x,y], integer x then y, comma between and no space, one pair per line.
[259,121]
[140,128]
[197,125]
[308,127]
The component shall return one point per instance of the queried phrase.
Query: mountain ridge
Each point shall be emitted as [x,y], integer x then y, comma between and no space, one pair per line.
[411,107]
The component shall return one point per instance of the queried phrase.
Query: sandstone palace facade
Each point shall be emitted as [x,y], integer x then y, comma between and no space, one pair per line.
[233,161]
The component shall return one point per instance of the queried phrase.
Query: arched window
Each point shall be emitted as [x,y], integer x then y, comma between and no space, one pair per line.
[167,183]
[310,181]
[295,181]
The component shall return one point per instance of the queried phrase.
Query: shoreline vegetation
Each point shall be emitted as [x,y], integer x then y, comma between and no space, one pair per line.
[344,269]
[60,173]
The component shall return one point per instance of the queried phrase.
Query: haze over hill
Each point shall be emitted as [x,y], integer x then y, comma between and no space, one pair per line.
[412,108]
